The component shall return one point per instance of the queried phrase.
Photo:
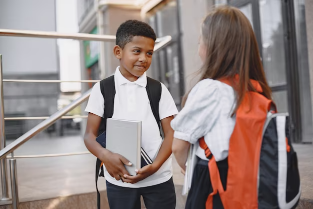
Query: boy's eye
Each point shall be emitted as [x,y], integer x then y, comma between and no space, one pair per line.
[150,53]
[136,51]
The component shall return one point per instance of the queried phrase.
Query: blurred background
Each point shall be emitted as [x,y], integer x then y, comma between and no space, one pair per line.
[284,31]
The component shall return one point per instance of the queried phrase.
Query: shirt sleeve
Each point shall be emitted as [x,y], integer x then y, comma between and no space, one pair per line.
[199,114]
[96,102]
[167,105]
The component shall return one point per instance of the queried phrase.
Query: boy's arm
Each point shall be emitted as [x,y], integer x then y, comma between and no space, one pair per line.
[163,155]
[113,162]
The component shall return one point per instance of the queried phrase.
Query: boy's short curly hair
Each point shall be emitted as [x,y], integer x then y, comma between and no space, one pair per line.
[131,28]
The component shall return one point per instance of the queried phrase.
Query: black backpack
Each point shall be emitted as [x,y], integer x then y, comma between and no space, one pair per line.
[107,86]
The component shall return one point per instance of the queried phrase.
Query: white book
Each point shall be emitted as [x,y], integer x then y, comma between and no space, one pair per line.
[124,137]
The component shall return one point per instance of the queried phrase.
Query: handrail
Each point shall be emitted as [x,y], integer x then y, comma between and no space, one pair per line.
[53,35]
[3,163]
[49,155]
[46,34]
[49,81]
[44,117]
[164,41]
[43,125]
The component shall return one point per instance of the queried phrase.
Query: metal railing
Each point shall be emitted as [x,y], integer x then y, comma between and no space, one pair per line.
[50,155]
[44,117]
[49,81]
[48,121]
[4,182]
[54,35]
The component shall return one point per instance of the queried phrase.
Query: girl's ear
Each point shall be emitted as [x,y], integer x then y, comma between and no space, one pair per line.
[118,52]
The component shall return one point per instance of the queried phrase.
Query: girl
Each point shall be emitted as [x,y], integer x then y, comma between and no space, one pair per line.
[229,51]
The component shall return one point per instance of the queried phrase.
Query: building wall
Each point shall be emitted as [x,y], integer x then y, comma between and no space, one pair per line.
[309,29]
[29,100]
[303,70]
[20,55]
[68,49]
[29,58]
[191,15]
[83,7]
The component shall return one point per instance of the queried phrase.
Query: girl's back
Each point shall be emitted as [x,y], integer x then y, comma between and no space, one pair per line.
[209,112]
[229,51]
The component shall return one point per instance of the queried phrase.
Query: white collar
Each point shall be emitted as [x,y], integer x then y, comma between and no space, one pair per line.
[120,79]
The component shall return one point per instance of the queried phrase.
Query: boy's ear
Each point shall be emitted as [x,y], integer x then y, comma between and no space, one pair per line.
[118,52]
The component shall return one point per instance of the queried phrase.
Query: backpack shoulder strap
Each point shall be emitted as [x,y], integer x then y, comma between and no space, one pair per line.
[107,87]
[154,91]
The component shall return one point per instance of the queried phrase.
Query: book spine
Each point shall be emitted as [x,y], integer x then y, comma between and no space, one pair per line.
[139,146]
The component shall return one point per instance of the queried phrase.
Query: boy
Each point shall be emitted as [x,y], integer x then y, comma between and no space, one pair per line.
[134,48]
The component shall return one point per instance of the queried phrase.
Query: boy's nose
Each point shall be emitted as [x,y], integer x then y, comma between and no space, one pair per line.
[142,58]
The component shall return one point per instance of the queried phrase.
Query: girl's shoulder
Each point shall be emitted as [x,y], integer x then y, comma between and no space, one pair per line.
[209,85]
[209,90]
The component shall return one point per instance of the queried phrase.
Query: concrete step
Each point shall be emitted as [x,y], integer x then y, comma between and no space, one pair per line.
[57,182]
[305,204]
[89,201]
[83,201]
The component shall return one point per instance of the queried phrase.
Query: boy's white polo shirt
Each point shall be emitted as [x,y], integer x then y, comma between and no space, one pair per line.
[131,102]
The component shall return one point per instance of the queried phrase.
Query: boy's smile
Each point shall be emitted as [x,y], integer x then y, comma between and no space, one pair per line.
[135,58]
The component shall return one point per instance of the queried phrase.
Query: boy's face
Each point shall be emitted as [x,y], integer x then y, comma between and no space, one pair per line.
[135,58]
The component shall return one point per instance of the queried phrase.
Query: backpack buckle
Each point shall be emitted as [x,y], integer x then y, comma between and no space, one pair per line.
[208,153]
[206,149]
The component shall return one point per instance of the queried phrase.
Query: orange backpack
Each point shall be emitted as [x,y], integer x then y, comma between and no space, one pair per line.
[262,165]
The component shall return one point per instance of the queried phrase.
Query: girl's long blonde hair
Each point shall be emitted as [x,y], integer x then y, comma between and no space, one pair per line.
[232,51]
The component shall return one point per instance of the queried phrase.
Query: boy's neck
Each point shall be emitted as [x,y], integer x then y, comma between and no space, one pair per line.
[128,75]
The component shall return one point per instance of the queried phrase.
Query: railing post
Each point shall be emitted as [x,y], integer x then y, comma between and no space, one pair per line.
[3,162]
[14,185]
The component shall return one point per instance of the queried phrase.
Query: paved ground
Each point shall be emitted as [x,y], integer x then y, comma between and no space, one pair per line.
[47,178]
[305,159]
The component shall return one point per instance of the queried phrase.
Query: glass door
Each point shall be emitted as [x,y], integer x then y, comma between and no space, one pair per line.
[167,63]
[274,30]
[273,48]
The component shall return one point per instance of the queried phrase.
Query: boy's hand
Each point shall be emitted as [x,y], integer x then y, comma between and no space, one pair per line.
[114,163]
[142,173]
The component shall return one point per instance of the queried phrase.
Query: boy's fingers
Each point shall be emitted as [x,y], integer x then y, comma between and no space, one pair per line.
[133,178]
[122,175]
[117,177]
[127,181]
[125,161]
[124,171]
